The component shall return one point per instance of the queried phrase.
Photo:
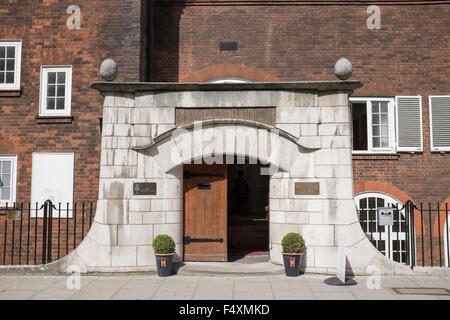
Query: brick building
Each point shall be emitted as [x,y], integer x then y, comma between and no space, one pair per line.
[399,51]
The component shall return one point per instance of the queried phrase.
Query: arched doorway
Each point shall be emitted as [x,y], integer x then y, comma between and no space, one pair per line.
[389,240]
[226,214]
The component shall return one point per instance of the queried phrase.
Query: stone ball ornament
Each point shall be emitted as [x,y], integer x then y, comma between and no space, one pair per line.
[108,70]
[343,69]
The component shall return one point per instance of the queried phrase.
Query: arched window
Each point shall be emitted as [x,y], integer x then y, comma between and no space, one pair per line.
[228,80]
[389,240]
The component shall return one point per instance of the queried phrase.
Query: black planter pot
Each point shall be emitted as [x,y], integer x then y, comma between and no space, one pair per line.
[292,262]
[164,264]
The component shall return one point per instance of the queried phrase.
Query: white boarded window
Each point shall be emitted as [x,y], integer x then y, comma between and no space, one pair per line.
[10,60]
[8,174]
[440,123]
[409,123]
[56,91]
[52,179]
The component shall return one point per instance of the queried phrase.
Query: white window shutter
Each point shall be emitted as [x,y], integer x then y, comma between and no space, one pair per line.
[409,123]
[440,123]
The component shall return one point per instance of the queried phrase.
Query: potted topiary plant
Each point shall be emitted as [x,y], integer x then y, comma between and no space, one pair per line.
[293,246]
[164,248]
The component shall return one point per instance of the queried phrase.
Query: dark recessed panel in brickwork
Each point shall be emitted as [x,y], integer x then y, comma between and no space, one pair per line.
[228,46]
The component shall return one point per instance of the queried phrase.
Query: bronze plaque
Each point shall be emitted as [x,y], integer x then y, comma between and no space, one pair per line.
[184,116]
[144,188]
[13,215]
[307,188]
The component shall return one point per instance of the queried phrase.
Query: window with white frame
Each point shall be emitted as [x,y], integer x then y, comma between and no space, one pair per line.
[440,123]
[373,125]
[10,60]
[8,172]
[56,90]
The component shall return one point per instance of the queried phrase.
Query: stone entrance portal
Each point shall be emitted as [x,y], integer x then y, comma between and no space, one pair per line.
[299,130]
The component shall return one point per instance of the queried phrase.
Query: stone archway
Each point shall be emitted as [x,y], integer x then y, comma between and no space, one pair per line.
[307,143]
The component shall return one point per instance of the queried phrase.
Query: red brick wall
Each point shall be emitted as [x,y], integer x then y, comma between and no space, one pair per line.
[407,56]
[109,29]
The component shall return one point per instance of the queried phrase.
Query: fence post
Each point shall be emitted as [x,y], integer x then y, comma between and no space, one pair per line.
[413,237]
[407,231]
[50,230]
[44,232]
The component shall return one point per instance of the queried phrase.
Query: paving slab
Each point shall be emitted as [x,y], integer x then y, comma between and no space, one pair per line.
[142,286]
[17,294]
[134,294]
[213,288]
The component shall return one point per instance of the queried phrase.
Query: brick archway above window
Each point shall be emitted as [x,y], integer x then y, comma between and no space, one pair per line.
[382,187]
[389,189]
[442,219]
[240,71]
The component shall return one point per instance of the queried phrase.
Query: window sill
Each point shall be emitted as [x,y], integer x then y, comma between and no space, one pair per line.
[385,156]
[10,93]
[54,119]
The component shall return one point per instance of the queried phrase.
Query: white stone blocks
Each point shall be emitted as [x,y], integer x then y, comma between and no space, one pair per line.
[278,230]
[297,217]
[155,115]
[118,171]
[317,235]
[124,256]
[349,234]
[112,211]
[93,254]
[311,142]
[119,99]
[143,99]
[175,230]
[334,129]
[174,216]
[124,99]
[153,217]
[333,171]
[308,129]
[297,115]
[329,142]
[145,256]
[135,235]
[332,99]
[291,128]
[121,130]
[333,157]
[325,257]
[103,234]
[142,130]
[341,211]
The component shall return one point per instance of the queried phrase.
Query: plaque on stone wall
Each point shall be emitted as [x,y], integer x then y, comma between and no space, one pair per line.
[307,188]
[13,215]
[144,188]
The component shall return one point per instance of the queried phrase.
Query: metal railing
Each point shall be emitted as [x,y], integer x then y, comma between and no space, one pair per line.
[430,234]
[33,234]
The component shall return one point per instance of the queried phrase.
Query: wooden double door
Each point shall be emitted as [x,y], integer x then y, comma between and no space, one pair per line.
[205,212]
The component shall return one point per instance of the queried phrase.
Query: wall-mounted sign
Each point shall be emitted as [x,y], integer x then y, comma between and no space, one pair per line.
[13,215]
[307,188]
[144,188]
[385,216]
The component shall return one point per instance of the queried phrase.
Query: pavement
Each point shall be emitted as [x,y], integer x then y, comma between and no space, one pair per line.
[191,287]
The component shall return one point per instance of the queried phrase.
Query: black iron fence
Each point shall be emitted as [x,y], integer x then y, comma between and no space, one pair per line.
[418,234]
[33,234]
[429,234]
